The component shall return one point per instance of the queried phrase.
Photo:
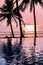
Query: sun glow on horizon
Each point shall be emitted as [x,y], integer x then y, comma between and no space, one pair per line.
[30,28]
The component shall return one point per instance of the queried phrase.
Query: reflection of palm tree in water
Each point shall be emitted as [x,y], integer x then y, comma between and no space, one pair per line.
[8,11]
[14,54]
[8,52]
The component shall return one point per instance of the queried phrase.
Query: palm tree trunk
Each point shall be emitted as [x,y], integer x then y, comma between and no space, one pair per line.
[11,26]
[34,32]
[19,24]
[12,30]
[20,40]
[19,19]
[34,25]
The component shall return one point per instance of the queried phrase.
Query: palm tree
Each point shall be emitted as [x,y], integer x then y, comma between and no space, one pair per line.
[19,17]
[22,7]
[8,11]
[32,7]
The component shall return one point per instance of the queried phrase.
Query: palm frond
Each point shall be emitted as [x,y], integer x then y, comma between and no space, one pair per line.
[40,2]
[1,9]
[23,5]
[31,6]
[15,21]
[15,12]
[2,18]
[35,2]
[8,22]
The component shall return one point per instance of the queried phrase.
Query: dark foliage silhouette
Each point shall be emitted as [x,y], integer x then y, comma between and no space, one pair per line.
[33,2]
[8,11]
[23,5]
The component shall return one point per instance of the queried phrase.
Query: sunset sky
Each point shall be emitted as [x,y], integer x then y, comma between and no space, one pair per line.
[27,17]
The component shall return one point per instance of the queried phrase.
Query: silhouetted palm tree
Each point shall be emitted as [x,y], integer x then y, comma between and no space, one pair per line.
[8,11]
[32,6]
[22,7]
[19,17]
